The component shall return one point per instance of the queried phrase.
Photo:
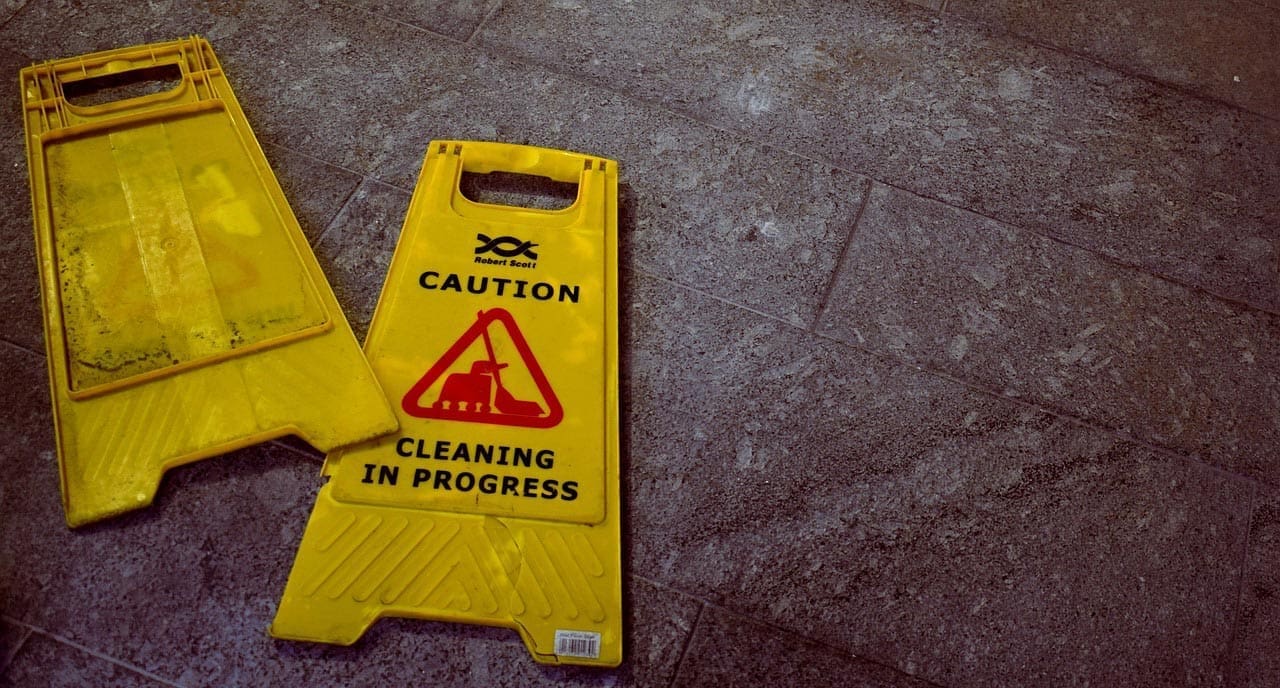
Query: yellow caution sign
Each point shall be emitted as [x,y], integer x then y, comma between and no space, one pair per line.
[184,313]
[498,501]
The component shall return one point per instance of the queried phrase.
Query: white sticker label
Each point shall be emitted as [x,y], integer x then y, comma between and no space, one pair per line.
[578,644]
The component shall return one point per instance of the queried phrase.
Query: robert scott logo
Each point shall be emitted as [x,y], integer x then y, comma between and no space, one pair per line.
[512,250]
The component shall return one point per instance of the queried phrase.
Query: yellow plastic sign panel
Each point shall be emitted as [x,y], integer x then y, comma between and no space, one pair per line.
[184,313]
[498,501]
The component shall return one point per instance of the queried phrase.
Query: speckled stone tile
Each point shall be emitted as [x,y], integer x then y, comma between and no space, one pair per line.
[10,7]
[1054,324]
[356,249]
[1221,48]
[702,206]
[456,19]
[48,663]
[726,648]
[982,120]
[19,277]
[11,638]
[1257,663]
[315,190]
[953,535]
[29,497]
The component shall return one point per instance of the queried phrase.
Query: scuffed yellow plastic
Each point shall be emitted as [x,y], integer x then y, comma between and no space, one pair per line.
[387,536]
[184,313]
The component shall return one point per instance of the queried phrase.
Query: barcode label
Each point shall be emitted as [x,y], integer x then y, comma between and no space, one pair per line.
[578,644]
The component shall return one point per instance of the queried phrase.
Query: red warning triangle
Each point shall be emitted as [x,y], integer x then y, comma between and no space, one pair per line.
[478,396]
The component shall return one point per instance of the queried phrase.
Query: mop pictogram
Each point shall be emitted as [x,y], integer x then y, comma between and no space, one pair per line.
[478,395]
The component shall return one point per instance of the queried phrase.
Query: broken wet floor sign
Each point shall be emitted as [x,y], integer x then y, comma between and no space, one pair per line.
[184,313]
[498,501]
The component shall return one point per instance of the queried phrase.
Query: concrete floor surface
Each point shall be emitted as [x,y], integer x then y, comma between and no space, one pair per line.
[950,351]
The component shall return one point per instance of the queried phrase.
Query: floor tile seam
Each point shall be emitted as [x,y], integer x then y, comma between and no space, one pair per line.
[379,181]
[490,14]
[4,339]
[346,203]
[707,602]
[100,655]
[828,162]
[974,385]
[288,447]
[653,273]
[1098,253]
[6,20]
[15,13]
[1180,89]
[688,640]
[312,156]
[846,653]
[842,257]
[1232,640]
[373,13]
[503,53]
[6,660]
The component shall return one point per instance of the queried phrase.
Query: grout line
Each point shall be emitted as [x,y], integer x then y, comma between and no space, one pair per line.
[364,179]
[1096,252]
[33,629]
[296,450]
[821,160]
[21,347]
[823,643]
[1244,577]
[506,54]
[648,272]
[341,209]
[684,651]
[707,602]
[973,385]
[828,162]
[821,310]
[1183,90]
[493,11]
[1043,407]
[371,13]
[309,156]
[17,647]
[346,201]
[14,15]
[1258,3]
[382,182]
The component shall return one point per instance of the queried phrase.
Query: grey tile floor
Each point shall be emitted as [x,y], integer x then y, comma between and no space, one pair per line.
[950,339]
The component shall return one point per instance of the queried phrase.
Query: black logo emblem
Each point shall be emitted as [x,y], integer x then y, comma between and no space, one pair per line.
[513,247]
